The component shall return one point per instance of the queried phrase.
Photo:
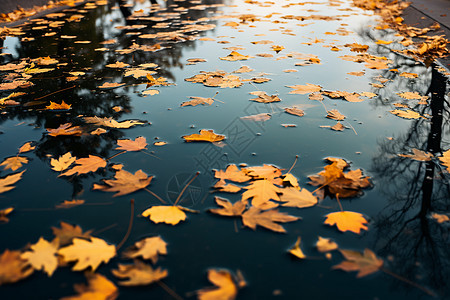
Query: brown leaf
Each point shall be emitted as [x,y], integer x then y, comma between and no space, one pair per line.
[65,129]
[148,248]
[139,274]
[14,268]
[263,97]
[6,182]
[98,288]
[226,288]
[198,100]
[14,163]
[267,219]
[228,209]
[68,232]
[366,263]
[334,114]
[125,183]
[305,89]
[138,144]
[204,136]
[69,203]
[294,111]
[86,165]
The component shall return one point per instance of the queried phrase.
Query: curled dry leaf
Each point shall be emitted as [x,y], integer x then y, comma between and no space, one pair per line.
[294,111]
[139,274]
[204,136]
[347,221]
[148,248]
[225,289]
[366,263]
[87,253]
[14,268]
[125,182]
[325,245]
[296,250]
[4,214]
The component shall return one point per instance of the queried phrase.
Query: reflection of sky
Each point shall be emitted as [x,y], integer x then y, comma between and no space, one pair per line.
[9,44]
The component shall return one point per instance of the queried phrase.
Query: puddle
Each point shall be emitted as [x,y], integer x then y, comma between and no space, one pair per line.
[148,51]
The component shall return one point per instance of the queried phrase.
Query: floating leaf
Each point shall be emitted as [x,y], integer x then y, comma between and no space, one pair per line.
[43,255]
[204,136]
[148,248]
[198,100]
[4,213]
[325,244]
[294,111]
[56,106]
[14,268]
[63,162]
[407,114]
[165,214]
[305,89]
[267,219]
[14,163]
[296,250]
[366,263]
[26,147]
[139,143]
[68,232]
[347,221]
[86,165]
[65,129]
[228,209]
[418,155]
[125,183]
[98,288]
[139,274]
[234,56]
[258,117]
[226,288]
[262,191]
[440,218]
[232,173]
[293,197]
[6,182]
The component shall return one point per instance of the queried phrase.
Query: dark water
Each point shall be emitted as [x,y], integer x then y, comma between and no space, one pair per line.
[404,192]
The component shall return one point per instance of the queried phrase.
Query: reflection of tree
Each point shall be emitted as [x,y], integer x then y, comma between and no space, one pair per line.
[418,244]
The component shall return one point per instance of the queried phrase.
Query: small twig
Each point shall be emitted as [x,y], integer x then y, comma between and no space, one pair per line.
[154,195]
[104,229]
[405,280]
[130,225]
[152,155]
[169,290]
[117,154]
[351,127]
[55,92]
[293,165]
[185,187]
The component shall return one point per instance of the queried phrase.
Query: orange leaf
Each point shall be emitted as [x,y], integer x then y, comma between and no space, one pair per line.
[14,268]
[125,183]
[86,165]
[165,214]
[366,263]
[204,136]
[226,287]
[138,144]
[347,221]
[55,106]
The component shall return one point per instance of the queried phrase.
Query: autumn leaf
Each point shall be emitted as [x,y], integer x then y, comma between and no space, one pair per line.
[407,114]
[258,117]
[305,89]
[440,218]
[148,248]
[334,114]
[99,287]
[222,186]
[265,171]
[125,183]
[26,147]
[445,160]
[110,85]
[152,81]
[290,180]
[232,173]
[165,214]
[69,203]
[267,219]
[316,96]
[65,129]
[138,144]
[56,106]
[117,64]
[86,165]
[43,255]
[197,101]
[325,245]
[296,250]
[14,268]
[68,232]
[293,197]
[225,289]
[234,56]
[262,191]
[4,214]
[294,111]
[63,162]
[263,97]
[347,221]
[418,155]
[228,209]
[139,274]
[87,253]
[14,163]
[110,122]
[366,263]
[204,136]
[6,182]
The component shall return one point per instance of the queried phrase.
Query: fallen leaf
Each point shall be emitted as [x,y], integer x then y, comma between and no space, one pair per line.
[165,214]
[338,127]
[43,255]
[407,114]
[110,85]
[409,75]
[68,232]
[261,191]
[204,136]
[263,97]
[87,253]
[347,221]
[118,64]
[4,213]
[294,111]
[243,69]
[125,183]
[232,173]
[258,117]
[150,92]
[65,129]
[418,155]
[440,218]
[267,219]
[234,56]
[366,263]
[138,274]
[305,89]
[325,245]
[69,203]
[110,122]
[148,248]
[14,163]
[316,96]
[296,250]
[225,289]
[86,165]
[14,268]
[56,106]
[222,186]
[63,162]
[26,147]
[293,197]
[228,209]
[291,180]
[98,288]
[139,143]
[6,182]
[198,100]
[334,114]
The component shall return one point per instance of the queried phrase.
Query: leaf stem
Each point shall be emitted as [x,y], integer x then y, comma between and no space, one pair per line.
[169,290]
[130,225]
[154,195]
[293,165]
[339,202]
[185,187]
[117,154]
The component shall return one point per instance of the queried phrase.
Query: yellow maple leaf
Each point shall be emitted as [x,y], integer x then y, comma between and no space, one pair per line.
[225,289]
[165,214]
[204,136]
[347,221]
[26,147]
[43,255]
[63,162]
[325,244]
[86,165]
[296,250]
[125,182]
[292,197]
[56,106]
[148,248]
[98,288]
[138,144]
[6,182]
[232,173]
[87,253]
[267,219]
[262,191]
[14,162]
[228,209]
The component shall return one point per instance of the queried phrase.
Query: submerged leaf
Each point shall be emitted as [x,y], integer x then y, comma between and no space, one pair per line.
[267,219]
[139,274]
[366,263]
